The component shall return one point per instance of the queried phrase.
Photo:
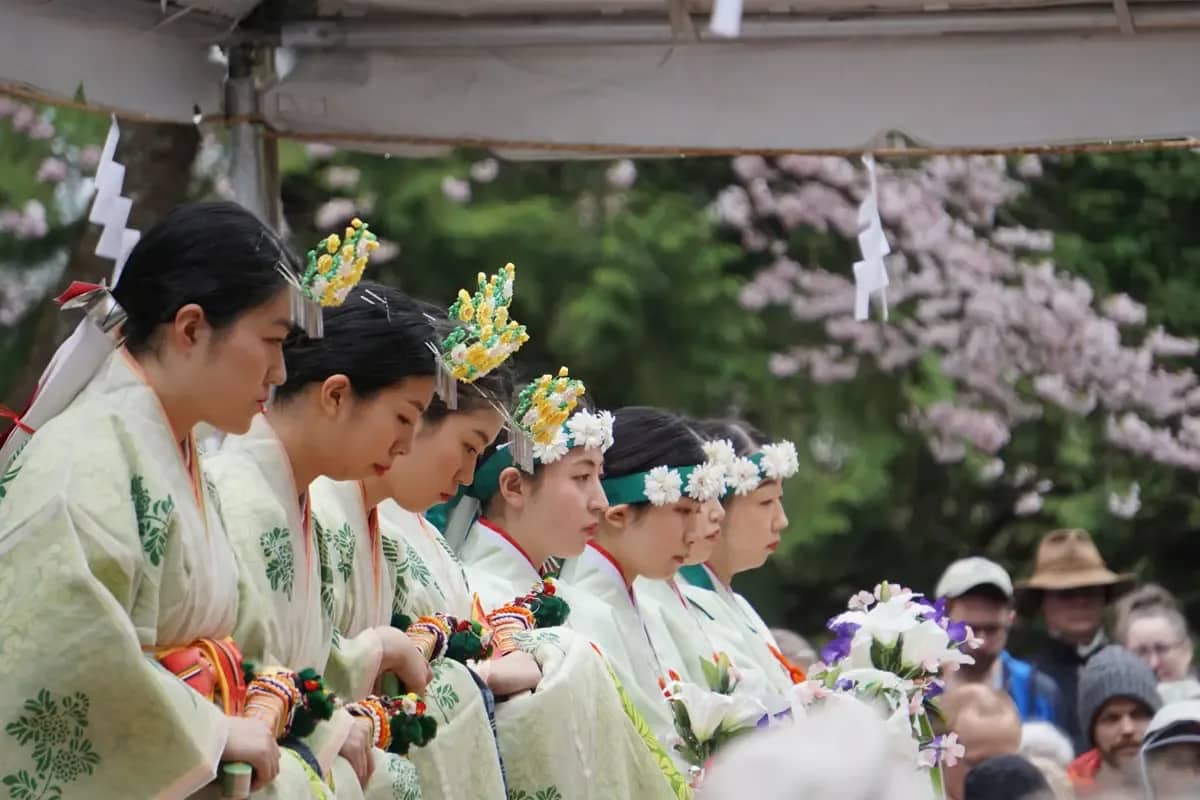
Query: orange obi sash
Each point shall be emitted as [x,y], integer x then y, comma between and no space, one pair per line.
[213,667]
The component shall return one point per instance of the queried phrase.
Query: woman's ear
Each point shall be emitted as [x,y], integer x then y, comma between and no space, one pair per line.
[188,326]
[512,488]
[619,516]
[335,394]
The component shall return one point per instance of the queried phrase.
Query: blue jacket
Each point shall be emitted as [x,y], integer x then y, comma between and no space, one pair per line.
[1035,693]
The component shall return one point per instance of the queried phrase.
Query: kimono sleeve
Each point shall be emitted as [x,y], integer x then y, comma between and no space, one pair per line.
[84,712]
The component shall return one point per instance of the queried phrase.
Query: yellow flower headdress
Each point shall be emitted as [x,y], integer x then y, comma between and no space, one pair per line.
[332,270]
[485,336]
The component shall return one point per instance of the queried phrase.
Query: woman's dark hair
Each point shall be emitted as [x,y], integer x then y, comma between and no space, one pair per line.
[644,438]
[746,438]
[216,255]
[495,388]
[377,338]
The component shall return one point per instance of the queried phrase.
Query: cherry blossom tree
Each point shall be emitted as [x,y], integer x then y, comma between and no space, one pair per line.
[976,303]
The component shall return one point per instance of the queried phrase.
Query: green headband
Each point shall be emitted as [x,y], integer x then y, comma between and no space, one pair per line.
[662,486]
[487,474]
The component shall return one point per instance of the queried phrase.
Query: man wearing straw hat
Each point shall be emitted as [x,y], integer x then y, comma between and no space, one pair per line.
[1071,586]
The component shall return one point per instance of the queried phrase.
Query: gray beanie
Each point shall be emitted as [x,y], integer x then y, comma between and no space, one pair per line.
[1111,673]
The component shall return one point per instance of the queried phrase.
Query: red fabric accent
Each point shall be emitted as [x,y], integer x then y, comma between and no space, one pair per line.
[485,522]
[76,289]
[8,413]
[213,667]
[1083,770]
[794,672]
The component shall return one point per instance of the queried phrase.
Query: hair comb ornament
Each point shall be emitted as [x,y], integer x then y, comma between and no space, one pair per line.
[484,337]
[332,269]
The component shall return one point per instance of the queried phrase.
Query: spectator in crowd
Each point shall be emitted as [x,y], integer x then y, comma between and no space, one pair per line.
[1045,740]
[795,648]
[1118,696]
[979,592]
[1153,629]
[987,723]
[1070,585]
[1009,777]
[1144,596]
[1171,753]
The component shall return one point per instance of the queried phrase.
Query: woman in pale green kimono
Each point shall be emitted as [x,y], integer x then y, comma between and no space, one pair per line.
[111,550]
[391,561]
[694,628]
[655,482]
[578,734]
[352,401]
[754,521]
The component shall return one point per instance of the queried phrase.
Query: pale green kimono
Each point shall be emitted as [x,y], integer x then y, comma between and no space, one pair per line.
[286,587]
[109,548]
[576,735]
[604,609]
[461,761]
[695,633]
[735,627]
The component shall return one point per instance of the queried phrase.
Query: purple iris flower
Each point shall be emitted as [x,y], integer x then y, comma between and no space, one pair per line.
[844,685]
[933,689]
[957,631]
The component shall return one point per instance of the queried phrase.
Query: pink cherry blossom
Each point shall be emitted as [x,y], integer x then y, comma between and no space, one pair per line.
[1018,338]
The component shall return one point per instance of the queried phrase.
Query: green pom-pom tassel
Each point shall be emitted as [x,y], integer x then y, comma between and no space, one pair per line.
[429,728]
[550,611]
[248,672]
[401,621]
[465,646]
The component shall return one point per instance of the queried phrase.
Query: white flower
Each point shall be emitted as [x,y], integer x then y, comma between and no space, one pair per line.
[720,451]
[743,476]
[458,354]
[780,460]
[622,174]
[884,621]
[549,453]
[591,431]
[706,482]
[709,711]
[508,289]
[663,486]
[408,705]
[928,646]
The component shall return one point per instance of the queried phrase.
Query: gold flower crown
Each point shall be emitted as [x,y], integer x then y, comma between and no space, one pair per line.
[333,268]
[485,336]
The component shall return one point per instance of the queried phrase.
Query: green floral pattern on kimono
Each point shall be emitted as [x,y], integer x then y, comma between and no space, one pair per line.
[281,567]
[443,693]
[61,753]
[549,793]
[343,540]
[324,543]
[416,566]
[406,784]
[8,477]
[153,519]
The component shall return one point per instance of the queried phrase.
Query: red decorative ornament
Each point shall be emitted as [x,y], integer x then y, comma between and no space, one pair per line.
[311,686]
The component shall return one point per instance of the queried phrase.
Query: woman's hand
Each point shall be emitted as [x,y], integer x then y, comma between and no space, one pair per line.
[402,657]
[250,741]
[516,672]
[357,750]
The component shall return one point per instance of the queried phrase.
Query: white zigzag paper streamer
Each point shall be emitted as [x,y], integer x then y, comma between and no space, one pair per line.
[110,210]
[870,274]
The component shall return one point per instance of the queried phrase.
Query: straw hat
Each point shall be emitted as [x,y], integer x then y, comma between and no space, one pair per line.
[1068,559]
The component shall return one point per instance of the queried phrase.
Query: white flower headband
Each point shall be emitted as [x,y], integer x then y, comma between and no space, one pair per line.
[743,474]
[662,485]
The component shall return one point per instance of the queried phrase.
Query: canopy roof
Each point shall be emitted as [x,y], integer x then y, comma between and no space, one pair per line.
[603,76]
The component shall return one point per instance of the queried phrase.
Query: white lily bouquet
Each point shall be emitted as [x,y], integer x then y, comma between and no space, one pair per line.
[891,648]
[708,717]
